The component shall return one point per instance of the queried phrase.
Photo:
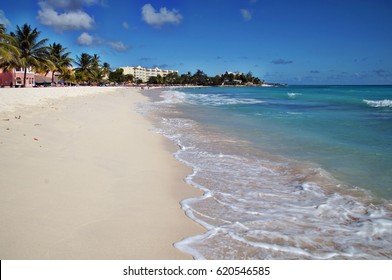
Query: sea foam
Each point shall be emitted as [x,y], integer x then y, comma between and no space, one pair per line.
[266,209]
[176,97]
[379,103]
[259,206]
[293,94]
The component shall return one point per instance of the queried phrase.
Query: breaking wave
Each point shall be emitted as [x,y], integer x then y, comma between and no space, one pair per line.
[379,103]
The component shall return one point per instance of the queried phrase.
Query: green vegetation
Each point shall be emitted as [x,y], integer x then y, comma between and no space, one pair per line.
[88,70]
[25,49]
[33,52]
[201,79]
[117,76]
[61,60]
[8,50]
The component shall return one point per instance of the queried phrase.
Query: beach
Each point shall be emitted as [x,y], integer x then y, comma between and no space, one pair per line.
[84,176]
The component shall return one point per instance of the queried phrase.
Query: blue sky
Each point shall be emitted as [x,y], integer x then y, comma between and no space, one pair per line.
[287,41]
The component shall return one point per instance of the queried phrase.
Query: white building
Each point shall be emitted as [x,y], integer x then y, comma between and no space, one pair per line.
[141,73]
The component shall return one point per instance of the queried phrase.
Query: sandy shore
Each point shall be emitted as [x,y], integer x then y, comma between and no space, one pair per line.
[85,178]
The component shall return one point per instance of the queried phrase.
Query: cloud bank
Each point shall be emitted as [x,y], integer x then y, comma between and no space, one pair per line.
[158,19]
[70,17]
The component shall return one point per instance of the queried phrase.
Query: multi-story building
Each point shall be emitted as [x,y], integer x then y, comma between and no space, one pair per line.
[141,73]
[15,77]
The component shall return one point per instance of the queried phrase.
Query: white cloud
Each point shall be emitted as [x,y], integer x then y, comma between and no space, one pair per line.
[3,19]
[85,39]
[73,18]
[125,25]
[164,16]
[118,46]
[246,14]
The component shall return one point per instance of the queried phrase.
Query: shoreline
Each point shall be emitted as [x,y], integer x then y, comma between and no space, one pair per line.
[86,178]
[256,203]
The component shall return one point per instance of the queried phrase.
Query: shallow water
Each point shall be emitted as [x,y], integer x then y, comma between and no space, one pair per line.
[279,169]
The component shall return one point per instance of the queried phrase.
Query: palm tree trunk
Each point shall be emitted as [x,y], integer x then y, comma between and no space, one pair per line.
[24,77]
[52,77]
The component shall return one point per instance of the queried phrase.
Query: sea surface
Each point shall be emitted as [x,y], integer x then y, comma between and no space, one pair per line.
[301,172]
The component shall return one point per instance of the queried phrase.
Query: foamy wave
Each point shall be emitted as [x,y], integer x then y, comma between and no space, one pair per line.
[176,97]
[219,100]
[379,103]
[256,206]
[293,94]
[173,97]
[264,209]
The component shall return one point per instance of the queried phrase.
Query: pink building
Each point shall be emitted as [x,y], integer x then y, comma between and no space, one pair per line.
[14,77]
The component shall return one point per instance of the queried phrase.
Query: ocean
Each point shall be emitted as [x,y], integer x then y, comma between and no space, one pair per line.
[299,172]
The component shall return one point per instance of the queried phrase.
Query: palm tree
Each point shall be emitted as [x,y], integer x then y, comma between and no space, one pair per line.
[68,75]
[95,61]
[33,52]
[59,58]
[85,64]
[97,72]
[8,51]
[105,69]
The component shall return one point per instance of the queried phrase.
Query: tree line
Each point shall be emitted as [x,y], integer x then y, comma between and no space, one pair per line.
[202,79]
[24,49]
[198,78]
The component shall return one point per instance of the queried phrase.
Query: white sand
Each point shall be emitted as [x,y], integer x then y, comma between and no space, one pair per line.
[85,178]
[12,99]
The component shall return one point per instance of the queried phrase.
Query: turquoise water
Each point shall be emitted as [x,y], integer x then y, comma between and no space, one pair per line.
[346,130]
[287,173]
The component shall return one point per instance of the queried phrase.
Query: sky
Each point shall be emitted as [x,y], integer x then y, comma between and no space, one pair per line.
[280,41]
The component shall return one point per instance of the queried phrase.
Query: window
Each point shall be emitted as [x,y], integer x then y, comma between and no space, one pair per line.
[18,81]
